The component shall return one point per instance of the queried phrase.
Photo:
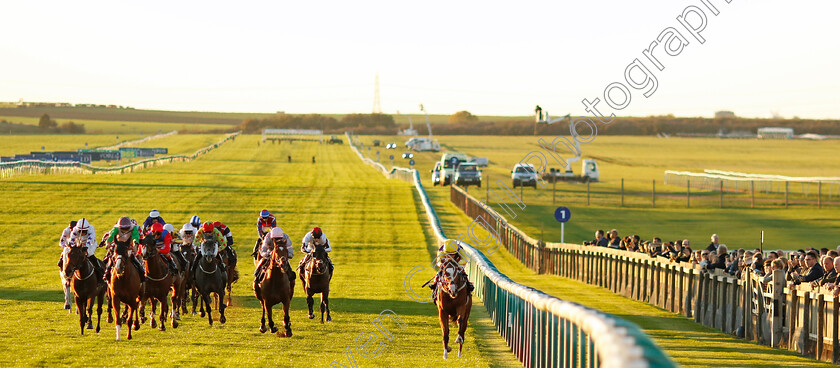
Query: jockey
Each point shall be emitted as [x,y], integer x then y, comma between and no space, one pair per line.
[195,221]
[450,250]
[187,233]
[208,228]
[63,240]
[176,245]
[154,217]
[125,228]
[84,235]
[229,241]
[265,223]
[163,241]
[275,238]
[316,236]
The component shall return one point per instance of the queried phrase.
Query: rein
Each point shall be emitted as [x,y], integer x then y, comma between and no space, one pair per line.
[215,267]
[78,271]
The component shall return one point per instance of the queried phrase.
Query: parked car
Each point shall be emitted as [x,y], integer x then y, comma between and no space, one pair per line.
[335,140]
[449,161]
[436,174]
[467,174]
[376,143]
[524,175]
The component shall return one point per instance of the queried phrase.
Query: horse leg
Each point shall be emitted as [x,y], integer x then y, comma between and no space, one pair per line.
[272,327]
[81,309]
[195,300]
[115,304]
[176,307]
[325,305]
[152,313]
[99,309]
[262,321]
[68,295]
[202,302]
[309,302]
[142,310]
[222,307]
[110,307]
[136,315]
[89,304]
[229,299]
[286,321]
[206,299]
[462,325]
[444,326]
[132,316]
[164,310]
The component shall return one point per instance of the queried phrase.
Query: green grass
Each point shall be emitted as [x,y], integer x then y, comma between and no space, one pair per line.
[640,159]
[688,343]
[373,224]
[124,127]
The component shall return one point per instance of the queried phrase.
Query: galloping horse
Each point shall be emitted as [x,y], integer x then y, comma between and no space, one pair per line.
[209,278]
[453,302]
[158,282]
[124,286]
[188,250]
[276,288]
[85,286]
[232,274]
[316,279]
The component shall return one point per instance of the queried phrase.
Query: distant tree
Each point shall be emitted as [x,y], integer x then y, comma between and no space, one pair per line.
[368,120]
[46,123]
[462,117]
[72,128]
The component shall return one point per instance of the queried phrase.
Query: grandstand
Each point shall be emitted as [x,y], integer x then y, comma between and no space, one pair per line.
[291,135]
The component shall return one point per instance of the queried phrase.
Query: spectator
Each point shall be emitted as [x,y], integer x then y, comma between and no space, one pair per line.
[704,258]
[714,244]
[684,256]
[771,256]
[815,271]
[720,261]
[686,244]
[600,240]
[833,254]
[830,273]
[758,263]
[823,252]
[777,264]
[615,241]
[793,266]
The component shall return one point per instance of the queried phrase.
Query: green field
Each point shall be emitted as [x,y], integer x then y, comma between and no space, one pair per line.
[641,159]
[126,127]
[374,226]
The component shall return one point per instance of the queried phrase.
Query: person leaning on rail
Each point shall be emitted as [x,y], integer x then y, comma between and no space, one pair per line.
[815,270]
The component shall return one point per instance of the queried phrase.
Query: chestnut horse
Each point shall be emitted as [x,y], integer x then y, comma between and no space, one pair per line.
[453,302]
[85,286]
[276,288]
[158,282]
[124,286]
[209,278]
[316,279]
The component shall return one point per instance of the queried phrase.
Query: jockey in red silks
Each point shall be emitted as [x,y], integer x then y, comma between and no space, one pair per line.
[163,241]
[265,223]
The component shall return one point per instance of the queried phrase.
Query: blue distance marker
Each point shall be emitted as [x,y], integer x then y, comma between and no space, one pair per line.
[562,214]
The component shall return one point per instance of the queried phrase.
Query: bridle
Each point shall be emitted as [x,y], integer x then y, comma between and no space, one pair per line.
[76,270]
[150,251]
[447,279]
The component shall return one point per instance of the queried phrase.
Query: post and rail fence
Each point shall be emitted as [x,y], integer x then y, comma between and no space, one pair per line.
[802,318]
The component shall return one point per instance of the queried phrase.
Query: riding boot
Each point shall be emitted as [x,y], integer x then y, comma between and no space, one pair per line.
[258,272]
[172,267]
[470,286]
[221,262]
[195,264]
[181,259]
[232,255]
[256,251]
[140,270]
[97,269]
[61,261]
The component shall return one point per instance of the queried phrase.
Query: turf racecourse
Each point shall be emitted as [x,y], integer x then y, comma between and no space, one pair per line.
[374,226]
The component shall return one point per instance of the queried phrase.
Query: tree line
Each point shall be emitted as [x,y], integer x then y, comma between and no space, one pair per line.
[50,125]
[316,121]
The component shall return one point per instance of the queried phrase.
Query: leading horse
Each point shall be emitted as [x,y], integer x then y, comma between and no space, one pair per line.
[276,288]
[85,286]
[316,277]
[453,302]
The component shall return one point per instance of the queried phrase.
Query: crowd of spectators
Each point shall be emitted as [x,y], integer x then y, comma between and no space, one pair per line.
[818,267]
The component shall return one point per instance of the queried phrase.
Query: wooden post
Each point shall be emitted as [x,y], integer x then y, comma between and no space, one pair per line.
[819,194]
[653,193]
[820,325]
[721,194]
[688,193]
[776,317]
[752,190]
[587,192]
[835,341]
[806,323]
[622,192]
[787,191]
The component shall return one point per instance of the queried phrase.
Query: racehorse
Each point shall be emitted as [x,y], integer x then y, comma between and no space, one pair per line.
[453,302]
[158,283]
[209,278]
[188,250]
[276,288]
[124,286]
[65,282]
[316,279]
[85,286]
[232,274]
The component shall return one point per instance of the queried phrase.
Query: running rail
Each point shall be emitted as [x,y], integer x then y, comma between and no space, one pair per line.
[26,167]
[542,330]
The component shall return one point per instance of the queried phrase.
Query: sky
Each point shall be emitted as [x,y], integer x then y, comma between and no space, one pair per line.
[758,58]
